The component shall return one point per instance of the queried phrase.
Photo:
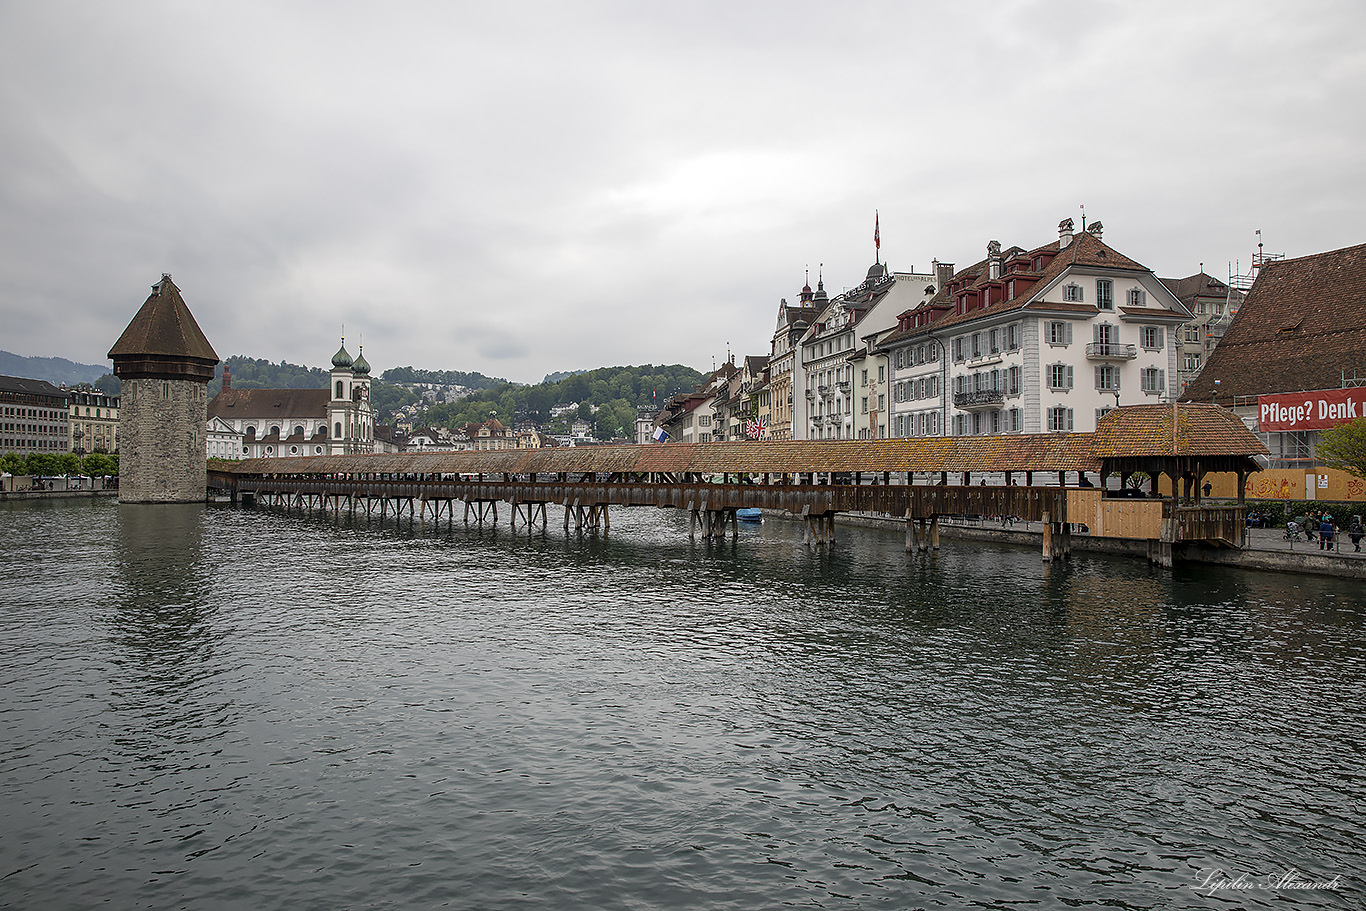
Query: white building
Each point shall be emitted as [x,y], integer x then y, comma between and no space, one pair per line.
[223,440]
[1031,341]
[823,371]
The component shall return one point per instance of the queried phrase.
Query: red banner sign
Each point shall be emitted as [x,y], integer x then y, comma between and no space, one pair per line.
[1310,410]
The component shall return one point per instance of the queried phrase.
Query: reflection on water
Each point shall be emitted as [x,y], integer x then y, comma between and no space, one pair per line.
[248,709]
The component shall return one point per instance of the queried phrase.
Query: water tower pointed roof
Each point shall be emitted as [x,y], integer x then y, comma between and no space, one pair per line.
[164,327]
[163,340]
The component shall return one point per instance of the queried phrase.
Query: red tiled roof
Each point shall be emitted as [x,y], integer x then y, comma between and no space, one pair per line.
[1085,250]
[1303,323]
[271,403]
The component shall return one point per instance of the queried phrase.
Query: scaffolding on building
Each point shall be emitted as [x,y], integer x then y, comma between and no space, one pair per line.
[1239,284]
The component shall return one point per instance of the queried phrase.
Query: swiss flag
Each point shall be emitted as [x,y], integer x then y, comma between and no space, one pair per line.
[877,231]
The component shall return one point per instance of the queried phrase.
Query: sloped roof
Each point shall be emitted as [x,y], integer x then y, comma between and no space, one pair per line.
[164,327]
[1185,429]
[1302,324]
[30,387]
[1201,284]
[271,403]
[1036,452]
[1085,250]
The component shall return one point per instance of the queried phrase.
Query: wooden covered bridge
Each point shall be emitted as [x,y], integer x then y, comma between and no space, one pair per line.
[1041,478]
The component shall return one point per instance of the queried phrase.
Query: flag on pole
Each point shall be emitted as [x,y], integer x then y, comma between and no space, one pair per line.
[661,434]
[877,231]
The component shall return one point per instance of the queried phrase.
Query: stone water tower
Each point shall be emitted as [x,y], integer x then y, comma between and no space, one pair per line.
[164,364]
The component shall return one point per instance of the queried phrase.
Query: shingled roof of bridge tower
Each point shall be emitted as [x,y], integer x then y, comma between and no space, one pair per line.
[1201,429]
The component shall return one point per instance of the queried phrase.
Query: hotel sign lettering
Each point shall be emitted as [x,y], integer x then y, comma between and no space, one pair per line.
[1310,410]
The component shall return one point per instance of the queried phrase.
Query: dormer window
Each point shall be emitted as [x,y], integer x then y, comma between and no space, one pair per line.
[1138,297]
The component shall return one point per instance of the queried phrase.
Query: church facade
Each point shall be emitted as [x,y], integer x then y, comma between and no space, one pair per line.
[275,423]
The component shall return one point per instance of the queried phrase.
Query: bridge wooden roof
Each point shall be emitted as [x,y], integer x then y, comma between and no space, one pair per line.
[1039,452]
[1138,432]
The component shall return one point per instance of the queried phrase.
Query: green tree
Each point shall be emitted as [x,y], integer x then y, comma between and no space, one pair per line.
[100,465]
[41,463]
[1344,447]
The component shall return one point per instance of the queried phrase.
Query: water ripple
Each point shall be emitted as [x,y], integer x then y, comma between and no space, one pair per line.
[238,709]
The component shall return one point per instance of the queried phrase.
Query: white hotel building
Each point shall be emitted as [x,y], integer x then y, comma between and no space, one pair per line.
[1033,341]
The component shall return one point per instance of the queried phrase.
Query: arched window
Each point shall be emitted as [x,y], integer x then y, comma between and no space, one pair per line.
[340,394]
[322,430]
[299,429]
[275,429]
[337,431]
[251,433]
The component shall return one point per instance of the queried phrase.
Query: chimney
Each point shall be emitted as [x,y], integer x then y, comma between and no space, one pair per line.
[1064,233]
[994,259]
[227,379]
[1094,229]
[943,274]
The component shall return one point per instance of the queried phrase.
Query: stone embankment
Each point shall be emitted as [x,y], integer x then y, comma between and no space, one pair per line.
[12,495]
[1267,548]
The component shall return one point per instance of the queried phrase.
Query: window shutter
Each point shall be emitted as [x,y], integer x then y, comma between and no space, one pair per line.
[1100,377]
[1069,416]
[1161,380]
[1067,333]
[1159,337]
[1069,377]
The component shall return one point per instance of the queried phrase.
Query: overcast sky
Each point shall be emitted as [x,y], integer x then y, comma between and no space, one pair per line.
[520,188]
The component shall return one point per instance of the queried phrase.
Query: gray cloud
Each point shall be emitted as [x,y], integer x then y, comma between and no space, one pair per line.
[550,186]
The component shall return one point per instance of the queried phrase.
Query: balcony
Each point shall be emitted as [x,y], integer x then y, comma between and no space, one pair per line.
[825,391]
[833,419]
[987,398]
[1111,351]
[843,386]
[984,359]
[810,394]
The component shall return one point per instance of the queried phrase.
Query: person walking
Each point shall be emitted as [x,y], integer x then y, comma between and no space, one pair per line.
[1356,533]
[1326,531]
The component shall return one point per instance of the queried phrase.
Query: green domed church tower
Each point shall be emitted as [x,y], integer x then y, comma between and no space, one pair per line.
[164,364]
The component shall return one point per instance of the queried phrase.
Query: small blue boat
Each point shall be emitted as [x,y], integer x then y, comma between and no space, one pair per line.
[752,514]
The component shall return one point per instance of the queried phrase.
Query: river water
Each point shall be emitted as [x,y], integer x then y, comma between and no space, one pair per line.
[206,707]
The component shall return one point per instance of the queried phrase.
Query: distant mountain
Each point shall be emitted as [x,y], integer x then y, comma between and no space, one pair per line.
[56,370]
